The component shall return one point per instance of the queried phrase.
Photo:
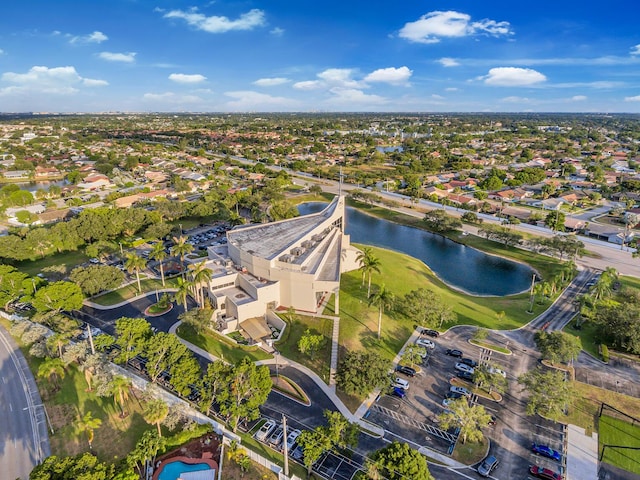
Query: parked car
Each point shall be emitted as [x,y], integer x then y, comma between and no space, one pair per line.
[297,453]
[546,451]
[401,382]
[453,395]
[423,342]
[460,390]
[464,368]
[470,362]
[266,428]
[544,473]
[497,371]
[447,401]
[430,332]
[465,376]
[276,436]
[292,436]
[488,465]
[398,392]
[408,371]
[454,353]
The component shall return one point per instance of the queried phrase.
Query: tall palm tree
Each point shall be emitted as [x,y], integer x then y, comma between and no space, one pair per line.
[58,340]
[181,248]
[135,263]
[88,424]
[383,299]
[159,255]
[52,369]
[182,293]
[120,387]
[199,274]
[369,263]
[155,411]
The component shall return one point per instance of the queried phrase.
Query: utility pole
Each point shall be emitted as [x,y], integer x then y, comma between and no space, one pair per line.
[284,441]
[93,350]
[533,281]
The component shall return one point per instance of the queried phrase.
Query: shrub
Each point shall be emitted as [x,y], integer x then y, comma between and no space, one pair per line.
[604,351]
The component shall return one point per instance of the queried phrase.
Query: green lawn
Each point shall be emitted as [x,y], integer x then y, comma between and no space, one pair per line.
[588,335]
[620,433]
[130,291]
[288,346]
[68,259]
[358,321]
[220,347]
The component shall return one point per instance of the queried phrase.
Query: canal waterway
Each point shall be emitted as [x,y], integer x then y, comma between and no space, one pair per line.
[459,266]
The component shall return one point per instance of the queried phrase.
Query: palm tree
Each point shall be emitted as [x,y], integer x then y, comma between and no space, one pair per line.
[183,292]
[181,248]
[88,424]
[133,264]
[199,274]
[159,254]
[382,299]
[155,411]
[58,340]
[369,263]
[120,387]
[52,369]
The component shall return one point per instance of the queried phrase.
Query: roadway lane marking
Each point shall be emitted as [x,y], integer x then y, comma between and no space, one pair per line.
[4,380]
[10,406]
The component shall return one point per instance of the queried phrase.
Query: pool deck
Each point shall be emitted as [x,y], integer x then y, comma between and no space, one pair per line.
[212,464]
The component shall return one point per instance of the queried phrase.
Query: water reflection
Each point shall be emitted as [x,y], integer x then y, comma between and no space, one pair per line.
[459,266]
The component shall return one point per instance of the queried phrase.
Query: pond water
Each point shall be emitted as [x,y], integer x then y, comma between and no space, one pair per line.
[459,266]
[33,186]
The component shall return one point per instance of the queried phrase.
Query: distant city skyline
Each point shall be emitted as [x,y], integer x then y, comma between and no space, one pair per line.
[332,56]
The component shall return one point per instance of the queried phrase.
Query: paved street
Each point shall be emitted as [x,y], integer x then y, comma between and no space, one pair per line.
[24,441]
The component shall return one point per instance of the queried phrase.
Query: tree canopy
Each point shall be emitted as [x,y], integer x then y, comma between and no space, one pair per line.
[360,372]
[550,394]
[399,461]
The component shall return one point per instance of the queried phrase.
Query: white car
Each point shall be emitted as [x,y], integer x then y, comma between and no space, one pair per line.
[401,383]
[460,390]
[423,342]
[266,428]
[497,371]
[464,368]
[292,436]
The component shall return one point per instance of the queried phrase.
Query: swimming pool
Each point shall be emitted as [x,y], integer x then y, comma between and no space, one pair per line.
[172,470]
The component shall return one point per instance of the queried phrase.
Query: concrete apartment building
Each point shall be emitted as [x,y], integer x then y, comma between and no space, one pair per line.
[290,263]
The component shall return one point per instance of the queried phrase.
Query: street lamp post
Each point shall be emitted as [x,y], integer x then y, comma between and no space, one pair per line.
[45,414]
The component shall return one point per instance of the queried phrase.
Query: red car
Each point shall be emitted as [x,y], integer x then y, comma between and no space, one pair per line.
[544,473]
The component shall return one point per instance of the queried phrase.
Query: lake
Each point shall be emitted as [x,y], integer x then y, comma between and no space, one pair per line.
[459,266]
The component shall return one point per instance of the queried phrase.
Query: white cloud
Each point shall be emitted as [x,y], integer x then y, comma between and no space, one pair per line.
[433,26]
[513,77]
[188,79]
[277,32]
[515,99]
[451,89]
[448,62]
[270,82]
[118,57]
[40,79]
[635,50]
[1,52]
[217,24]
[330,78]
[247,100]
[353,96]
[171,98]
[578,98]
[435,96]
[391,75]
[95,37]
[308,85]
[632,99]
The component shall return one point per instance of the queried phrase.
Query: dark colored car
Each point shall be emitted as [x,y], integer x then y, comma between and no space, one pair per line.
[488,465]
[468,361]
[546,451]
[465,376]
[544,473]
[454,353]
[408,371]
[454,395]
[398,392]
[431,333]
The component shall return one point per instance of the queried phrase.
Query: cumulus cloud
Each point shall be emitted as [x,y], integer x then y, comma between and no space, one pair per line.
[391,75]
[513,77]
[451,89]
[270,82]
[188,79]
[247,100]
[330,78]
[308,85]
[433,26]
[448,62]
[635,50]
[515,99]
[218,24]
[40,79]
[118,57]
[277,32]
[95,37]
[353,96]
[632,99]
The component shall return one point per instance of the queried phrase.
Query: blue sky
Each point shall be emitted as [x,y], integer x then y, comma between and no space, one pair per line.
[347,55]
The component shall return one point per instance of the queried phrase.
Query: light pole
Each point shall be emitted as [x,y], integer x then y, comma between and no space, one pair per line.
[276,354]
[45,414]
[533,281]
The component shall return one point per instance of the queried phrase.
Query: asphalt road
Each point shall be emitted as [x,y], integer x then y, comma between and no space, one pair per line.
[24,442]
